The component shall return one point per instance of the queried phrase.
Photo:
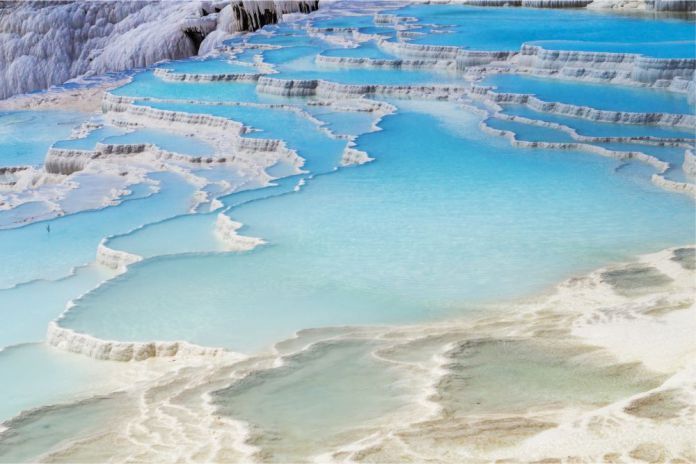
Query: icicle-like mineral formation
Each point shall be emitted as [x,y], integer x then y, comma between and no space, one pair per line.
[48,43]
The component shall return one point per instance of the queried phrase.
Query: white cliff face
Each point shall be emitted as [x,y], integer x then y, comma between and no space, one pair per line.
[658,5]
[43,44]
[690,163]
[606,66]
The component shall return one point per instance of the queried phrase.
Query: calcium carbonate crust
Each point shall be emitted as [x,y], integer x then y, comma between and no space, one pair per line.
[124,112]
[571,311]
[44,44]
[76,342]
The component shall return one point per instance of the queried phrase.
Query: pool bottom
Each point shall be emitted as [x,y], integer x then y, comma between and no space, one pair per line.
[513,382]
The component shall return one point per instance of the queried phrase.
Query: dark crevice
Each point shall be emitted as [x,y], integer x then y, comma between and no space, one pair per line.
[196,38]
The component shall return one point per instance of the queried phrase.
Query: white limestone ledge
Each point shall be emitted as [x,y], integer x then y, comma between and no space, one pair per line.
[168,75]
[647,69]
[674,186]
[536,56]
[326,89]
[354,157]
[659,165]
[352,104]
[115,259]
[226,231]
[657,179]
[384,63]
[224,134]
[689,165]
[341,36]
[135,113]
[469,58]
[420,51]
[17,179]
[645,140]
[492,2]
[625,117]
[407,34]
[76,342]
[322,30]
[356,104]
[555,3]
[207,127]
[66,162]
[109,99]
[385,18]
[627,69]
[445,53]
[8,176]
[623,67]
[628,66]
[658,5]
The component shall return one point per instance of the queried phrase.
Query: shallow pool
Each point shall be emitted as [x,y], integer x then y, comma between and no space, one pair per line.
[379,244]
[600,96]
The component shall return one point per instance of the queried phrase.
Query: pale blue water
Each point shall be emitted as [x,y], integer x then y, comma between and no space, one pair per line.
[344,122]
[45,126]
[365,50]
[89,142]
[169,141]
[41,375]
[299,63]
[30,252]
[28,308]
[221,65]
[321,154]
[678,175]
[182,234]
[384,31]
[278,187]
[247,56]
[307,68]
[147,85]
[284,39]
[289,54]
[388,251]
[343,22]
[231,175]
[600,96]
[481,28]
[17,215]
[91,187]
